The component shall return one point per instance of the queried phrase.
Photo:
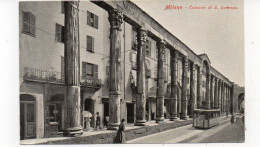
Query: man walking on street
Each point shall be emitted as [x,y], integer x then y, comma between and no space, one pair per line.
[98,121]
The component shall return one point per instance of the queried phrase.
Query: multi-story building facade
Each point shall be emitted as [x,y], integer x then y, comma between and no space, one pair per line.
[159,75]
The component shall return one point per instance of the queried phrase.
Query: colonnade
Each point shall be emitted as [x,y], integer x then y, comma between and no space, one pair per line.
[218,91]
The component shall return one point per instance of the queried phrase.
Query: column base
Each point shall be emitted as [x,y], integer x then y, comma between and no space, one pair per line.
[175,118]
[140,123]
[73,132]
[112,126]
[185,117]
[159,119]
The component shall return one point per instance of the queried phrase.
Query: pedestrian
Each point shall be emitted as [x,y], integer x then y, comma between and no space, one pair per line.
[98,121]
[120,137]
[147,116]
[232,118]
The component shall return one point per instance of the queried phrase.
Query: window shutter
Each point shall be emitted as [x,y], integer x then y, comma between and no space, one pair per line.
[96,21]
[90,43]
[88,18]
[95,72]
[57,33]
[32,23]
[84,67]
[26,21]
[155,70]
[62,33]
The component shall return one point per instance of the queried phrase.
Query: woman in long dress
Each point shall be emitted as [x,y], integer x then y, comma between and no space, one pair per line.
[121,132]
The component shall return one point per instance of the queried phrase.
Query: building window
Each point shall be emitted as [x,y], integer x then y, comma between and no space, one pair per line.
[28,26]
[89,71]
[134,39]
[59,33]
[90,44]
[133,61]
[155,71]
[165,74]
[62,7]
[92,20]
[148,48]
[156,53]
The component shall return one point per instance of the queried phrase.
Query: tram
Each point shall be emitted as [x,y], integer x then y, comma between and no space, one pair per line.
[205,118]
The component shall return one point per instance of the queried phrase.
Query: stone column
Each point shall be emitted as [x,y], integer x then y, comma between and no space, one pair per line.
[192,87]
[115,19]
[72,124]
[141,84]
[232,98]
[208,90]
[225,98]
[160,81]
[174,73]
[211,91]
[184,99]
[219,94]
[199,75]
[222,97]
[216,93]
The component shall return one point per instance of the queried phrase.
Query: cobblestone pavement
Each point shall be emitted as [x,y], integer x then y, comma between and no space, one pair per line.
[225,132]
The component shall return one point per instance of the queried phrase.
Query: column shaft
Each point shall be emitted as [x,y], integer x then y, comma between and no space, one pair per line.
[115,19]
[184,89]
[216,93]
[222,97]
[72,124]
[199,75]
[173,100]
[141,84]
[192,88]
[160,81]
[208,90]
[211,91]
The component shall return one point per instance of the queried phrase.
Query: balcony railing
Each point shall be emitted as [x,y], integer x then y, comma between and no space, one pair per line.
[91,82]
[40,75]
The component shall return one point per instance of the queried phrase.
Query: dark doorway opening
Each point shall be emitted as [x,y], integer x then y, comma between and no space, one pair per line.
[130,113]
[106,113]
[89,106]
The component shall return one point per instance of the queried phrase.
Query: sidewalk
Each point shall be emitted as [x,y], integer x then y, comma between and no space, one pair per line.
[107,136]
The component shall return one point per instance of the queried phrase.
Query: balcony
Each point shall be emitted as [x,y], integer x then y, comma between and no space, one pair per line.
[89,82]
[40,75]
[46,76]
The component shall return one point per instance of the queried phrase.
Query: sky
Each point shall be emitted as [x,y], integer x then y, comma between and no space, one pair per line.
[217,32]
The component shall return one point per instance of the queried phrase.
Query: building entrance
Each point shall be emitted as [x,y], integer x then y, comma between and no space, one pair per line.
[130,113]
[27,117]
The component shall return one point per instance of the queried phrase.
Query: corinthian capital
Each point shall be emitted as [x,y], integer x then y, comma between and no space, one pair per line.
[115,18]
[142,36]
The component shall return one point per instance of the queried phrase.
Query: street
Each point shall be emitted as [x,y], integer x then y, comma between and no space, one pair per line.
[225,132]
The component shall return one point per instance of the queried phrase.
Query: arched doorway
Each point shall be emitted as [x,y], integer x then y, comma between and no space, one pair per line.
[241,102]
[27,116]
